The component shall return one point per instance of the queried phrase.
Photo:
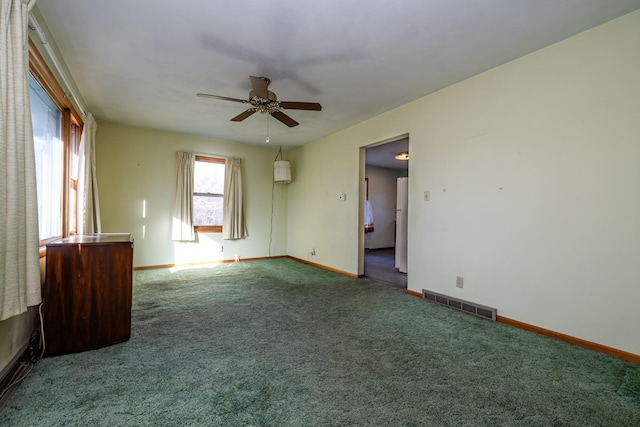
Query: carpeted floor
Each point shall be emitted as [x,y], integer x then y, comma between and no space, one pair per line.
[280,343]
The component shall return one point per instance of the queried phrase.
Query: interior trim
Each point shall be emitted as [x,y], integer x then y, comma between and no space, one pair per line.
[324,267]
[572,340]
[195,264]
[562,337]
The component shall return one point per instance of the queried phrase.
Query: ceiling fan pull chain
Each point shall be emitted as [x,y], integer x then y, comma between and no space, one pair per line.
[267,138]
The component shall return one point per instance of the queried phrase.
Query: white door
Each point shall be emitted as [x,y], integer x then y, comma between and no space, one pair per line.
[401,224]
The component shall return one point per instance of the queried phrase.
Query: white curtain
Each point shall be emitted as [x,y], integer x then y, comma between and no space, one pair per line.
[19,240]
[88,207]
[183,198]
[233,222]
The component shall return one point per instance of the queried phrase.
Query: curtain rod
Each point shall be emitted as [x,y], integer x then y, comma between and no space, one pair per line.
[33,25]
[212,155]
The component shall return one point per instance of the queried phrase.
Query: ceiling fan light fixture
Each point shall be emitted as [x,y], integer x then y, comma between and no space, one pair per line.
[403,155]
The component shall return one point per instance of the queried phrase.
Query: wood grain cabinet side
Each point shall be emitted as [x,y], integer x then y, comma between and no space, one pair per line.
[87,292]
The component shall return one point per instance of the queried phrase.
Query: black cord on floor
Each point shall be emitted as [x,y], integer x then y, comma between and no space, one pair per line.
[33,353]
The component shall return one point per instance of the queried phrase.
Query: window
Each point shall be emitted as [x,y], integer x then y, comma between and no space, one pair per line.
[74,158]
[56,138]
[208,193]
[47,140]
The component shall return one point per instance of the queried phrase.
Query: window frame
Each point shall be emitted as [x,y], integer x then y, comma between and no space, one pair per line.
[208,228]
[41,72]
[72,181]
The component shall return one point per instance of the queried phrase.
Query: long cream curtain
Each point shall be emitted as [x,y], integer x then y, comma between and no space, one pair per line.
[19,258]
[183,198]
[88,206]
[233,221]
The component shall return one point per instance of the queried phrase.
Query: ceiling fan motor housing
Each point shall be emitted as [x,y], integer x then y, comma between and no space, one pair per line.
[264,105]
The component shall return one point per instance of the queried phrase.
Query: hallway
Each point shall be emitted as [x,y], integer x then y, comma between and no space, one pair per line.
[379,266]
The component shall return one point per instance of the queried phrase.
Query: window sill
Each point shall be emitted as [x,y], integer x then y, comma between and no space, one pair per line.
[43,245]
[207,229]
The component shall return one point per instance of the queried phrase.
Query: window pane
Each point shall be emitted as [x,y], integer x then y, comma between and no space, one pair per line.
[74,146]
[47,127]
[207,210]
[208,184]
[73,177]
[208,178]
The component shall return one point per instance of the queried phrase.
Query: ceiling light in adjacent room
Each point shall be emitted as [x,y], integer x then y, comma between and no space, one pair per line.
[404,155]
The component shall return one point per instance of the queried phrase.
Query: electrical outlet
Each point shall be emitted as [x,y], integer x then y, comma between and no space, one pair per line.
[459,282]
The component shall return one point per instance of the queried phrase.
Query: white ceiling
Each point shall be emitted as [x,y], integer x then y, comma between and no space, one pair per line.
[141,62]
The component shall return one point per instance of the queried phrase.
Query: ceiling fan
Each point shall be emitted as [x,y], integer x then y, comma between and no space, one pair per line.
[262,100]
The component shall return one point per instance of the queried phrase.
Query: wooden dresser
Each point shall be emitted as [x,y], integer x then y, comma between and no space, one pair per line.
[87,292]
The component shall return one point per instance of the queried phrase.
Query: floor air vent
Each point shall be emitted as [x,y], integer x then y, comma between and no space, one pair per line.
[458,304]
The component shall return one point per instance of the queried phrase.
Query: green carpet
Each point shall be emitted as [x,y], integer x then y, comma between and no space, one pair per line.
[280,343]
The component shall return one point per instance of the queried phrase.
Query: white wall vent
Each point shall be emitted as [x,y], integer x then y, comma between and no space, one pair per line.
[462,305]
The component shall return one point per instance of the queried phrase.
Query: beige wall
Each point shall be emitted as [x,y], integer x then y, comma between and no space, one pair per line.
[317,218]
[534,178]
[136,171]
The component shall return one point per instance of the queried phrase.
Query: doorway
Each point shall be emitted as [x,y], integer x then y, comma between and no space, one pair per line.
[380,237]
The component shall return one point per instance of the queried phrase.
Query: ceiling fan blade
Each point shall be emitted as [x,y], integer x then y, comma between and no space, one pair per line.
[314,106]
[224,98]
[240,117]
[284,118]
[260,86]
